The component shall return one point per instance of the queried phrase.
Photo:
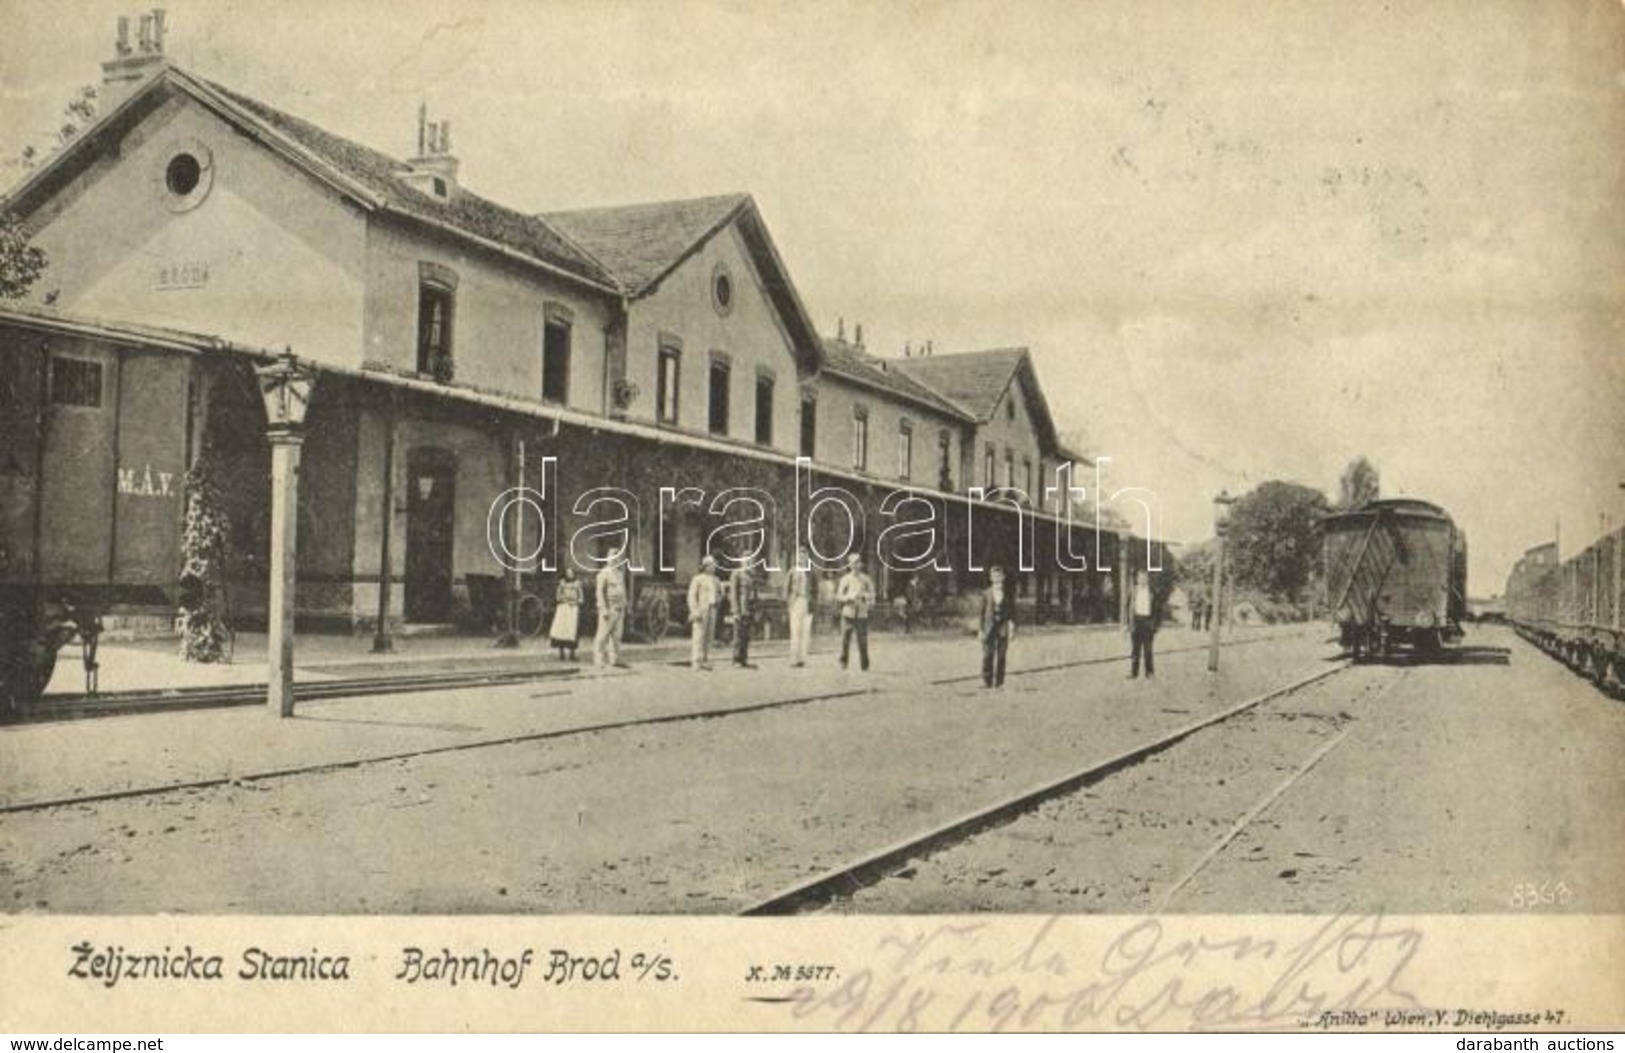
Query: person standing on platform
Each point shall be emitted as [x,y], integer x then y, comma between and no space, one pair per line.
[565,633]
[1145,627]
[997,627]
[703,593]
[854,595]
[611,596]
[798,599]
[742,598]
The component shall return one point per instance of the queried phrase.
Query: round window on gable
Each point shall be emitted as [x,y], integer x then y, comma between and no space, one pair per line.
[187,173]
[722,289]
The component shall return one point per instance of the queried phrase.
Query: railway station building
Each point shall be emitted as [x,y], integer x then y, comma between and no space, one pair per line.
[464,349]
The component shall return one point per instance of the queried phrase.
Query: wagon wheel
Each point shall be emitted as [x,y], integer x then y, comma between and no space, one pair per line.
[42,668]
[655,617]
[530,615]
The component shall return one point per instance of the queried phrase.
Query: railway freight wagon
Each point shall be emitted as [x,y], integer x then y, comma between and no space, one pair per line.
[96,431]
[1572,609]
[1396,576]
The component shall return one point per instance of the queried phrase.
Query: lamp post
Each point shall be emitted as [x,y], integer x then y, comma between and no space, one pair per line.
[286,387]
[1221,518]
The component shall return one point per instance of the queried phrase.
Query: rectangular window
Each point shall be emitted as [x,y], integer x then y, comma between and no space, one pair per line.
[945,469]
[720,375]
[809,425]
[556,362]
[905,450]
[435,304]
[1009,468]
[667,383]
[989,458]
[860,439]
[76,382]
[764,409]
[1027,476]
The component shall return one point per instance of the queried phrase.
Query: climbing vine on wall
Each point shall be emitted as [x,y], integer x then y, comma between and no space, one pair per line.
[201,620]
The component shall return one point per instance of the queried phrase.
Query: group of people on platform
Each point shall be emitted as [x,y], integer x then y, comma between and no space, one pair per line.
[610,592]
[854,600]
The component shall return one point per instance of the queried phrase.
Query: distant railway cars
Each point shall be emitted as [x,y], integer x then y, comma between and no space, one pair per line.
[1396,576]
[1571,609]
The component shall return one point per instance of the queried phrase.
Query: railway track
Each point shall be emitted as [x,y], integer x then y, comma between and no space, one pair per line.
[844,880]
[1051,667]
[173,699]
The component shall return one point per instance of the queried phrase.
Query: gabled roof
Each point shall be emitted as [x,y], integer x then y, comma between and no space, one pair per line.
[977,380]
[372,179]
[850,362]
[642,244]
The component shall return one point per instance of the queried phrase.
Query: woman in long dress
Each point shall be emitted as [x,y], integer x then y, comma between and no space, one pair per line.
[566,615]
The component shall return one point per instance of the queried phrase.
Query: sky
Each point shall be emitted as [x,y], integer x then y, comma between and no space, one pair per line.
[1243,241]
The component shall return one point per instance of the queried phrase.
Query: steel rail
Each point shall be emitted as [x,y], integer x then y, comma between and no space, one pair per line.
[850,877]
[427,751]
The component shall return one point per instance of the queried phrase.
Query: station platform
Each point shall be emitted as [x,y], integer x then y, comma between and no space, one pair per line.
[70,761]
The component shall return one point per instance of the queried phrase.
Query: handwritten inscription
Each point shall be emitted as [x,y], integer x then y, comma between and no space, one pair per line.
[944,978]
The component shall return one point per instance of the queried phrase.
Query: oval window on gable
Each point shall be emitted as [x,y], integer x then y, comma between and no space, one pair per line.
[722,289]
[183,174]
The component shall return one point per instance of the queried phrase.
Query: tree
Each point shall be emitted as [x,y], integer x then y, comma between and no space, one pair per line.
[21,264]
[1359,486]
[1195,569]
[78,113]
[1272,543]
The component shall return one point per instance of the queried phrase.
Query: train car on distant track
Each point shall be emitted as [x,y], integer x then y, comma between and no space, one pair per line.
[1571,609]
[1396,576]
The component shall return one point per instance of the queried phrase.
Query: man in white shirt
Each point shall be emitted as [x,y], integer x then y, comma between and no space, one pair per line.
[1145,627]
[611,596]
[798,587]
[702,613]
[854,595]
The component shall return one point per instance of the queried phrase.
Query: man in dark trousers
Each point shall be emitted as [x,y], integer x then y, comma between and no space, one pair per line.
[1145,627]
[854,594]
[742,597]
[998,625]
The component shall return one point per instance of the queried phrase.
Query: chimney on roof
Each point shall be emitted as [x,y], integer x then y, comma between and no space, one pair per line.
[133,63]
[434,169]
[857,335]
[840,329]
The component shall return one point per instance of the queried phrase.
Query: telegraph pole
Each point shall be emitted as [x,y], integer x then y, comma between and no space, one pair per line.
[1221,516]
